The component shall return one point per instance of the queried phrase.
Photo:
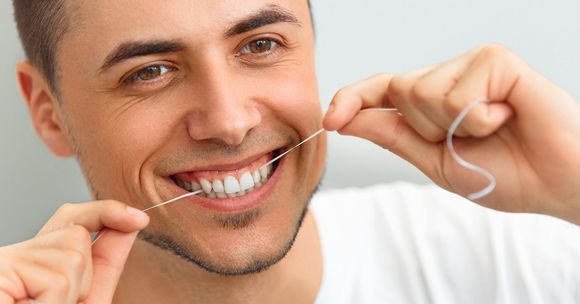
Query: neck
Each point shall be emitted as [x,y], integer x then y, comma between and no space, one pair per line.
[153,275]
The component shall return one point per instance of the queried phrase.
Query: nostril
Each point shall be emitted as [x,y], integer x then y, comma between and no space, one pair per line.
[229,126]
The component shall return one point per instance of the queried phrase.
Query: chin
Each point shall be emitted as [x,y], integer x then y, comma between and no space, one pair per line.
[242,228]
[260,243]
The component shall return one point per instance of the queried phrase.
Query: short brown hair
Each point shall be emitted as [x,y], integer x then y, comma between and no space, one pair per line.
[41,25]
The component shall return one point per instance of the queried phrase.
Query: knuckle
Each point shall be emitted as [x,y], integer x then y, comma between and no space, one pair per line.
[78,235]
[61,283]
[497,54]
[397,87]
[344,94]
[494,50]
[421,92]
[76,260]
[454,103]
[382,77]
[65,208]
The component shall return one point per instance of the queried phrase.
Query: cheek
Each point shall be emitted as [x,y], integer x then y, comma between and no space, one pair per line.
[145,127]
[293,99]
[123,137]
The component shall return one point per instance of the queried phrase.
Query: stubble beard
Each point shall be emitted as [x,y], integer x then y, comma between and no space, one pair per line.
[231,222]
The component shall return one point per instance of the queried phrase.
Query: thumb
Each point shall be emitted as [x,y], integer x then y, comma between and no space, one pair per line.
[390,131]
[109,256]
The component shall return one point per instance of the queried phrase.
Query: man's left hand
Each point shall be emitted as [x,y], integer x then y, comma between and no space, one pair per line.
[527,136]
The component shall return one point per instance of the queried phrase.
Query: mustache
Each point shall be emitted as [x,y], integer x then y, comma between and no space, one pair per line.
[214,150]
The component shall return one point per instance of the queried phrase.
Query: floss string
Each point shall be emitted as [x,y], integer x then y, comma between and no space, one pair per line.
[472,196]
[492,182]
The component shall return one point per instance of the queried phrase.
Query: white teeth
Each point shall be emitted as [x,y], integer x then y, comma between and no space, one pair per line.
[256,176]
[246,181]
[231,185]
[218,186]
[264,172]
[205,185]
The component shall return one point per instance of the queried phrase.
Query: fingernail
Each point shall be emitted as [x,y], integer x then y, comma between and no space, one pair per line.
[133,211]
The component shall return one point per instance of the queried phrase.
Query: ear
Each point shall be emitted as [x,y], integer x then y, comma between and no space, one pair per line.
[43,109]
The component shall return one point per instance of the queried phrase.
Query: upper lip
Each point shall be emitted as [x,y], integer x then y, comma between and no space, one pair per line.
[228,164]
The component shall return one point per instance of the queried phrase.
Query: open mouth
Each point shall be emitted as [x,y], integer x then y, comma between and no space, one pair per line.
[229,182]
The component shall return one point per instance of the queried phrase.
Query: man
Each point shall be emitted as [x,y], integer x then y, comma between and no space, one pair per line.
[158,98]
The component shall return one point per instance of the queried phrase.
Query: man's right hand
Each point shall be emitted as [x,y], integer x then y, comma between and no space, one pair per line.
[60,266]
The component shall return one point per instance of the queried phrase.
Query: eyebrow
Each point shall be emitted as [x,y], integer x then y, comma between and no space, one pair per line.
[131,49]
[270,15]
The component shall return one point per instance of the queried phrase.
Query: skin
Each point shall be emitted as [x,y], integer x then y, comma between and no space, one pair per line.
[145,133]
[216,105]
[527,135]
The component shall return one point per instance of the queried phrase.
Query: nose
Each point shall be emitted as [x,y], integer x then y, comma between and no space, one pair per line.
[226,111]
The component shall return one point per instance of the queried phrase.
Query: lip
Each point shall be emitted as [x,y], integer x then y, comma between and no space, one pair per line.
[231,166]
[235,204]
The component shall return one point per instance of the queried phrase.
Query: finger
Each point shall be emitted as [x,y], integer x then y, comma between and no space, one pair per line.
[351,99]
[4,298]
[74,241]
[45,285]
[67,250]
[430,90]
[94,216]
[109,256]
[392,132]
[75,265]
[482,80]
[400,93]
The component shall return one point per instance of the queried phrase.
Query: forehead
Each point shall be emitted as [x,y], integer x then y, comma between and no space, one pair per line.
[100,26]
[111,20]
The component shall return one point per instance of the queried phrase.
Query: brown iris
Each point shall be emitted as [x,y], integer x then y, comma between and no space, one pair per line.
[149,73]
[260,46]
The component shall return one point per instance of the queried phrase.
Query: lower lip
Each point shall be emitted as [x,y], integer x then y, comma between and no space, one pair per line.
[237,204]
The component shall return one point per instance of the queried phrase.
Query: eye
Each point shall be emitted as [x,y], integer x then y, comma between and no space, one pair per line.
[149,73]
[259,47]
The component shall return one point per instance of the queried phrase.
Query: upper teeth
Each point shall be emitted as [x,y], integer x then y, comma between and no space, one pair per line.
[230,186]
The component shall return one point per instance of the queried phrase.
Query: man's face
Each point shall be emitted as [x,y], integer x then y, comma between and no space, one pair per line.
[161,96]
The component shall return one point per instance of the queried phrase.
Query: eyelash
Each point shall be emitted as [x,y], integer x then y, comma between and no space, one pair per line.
[275,46]
[134,77]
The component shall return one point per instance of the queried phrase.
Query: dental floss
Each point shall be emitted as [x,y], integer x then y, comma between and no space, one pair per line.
[472,196]
[492,182]
[173,200]
[314,135]
[292,149]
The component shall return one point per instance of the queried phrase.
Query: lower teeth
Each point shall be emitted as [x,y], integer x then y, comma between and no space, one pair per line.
[226,195]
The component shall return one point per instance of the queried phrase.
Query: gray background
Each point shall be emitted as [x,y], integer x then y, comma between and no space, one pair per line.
[355,40]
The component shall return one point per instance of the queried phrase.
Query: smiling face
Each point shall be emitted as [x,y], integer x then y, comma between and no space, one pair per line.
[159,97]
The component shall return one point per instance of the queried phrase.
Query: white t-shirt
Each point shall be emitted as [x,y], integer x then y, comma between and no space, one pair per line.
[404,243]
